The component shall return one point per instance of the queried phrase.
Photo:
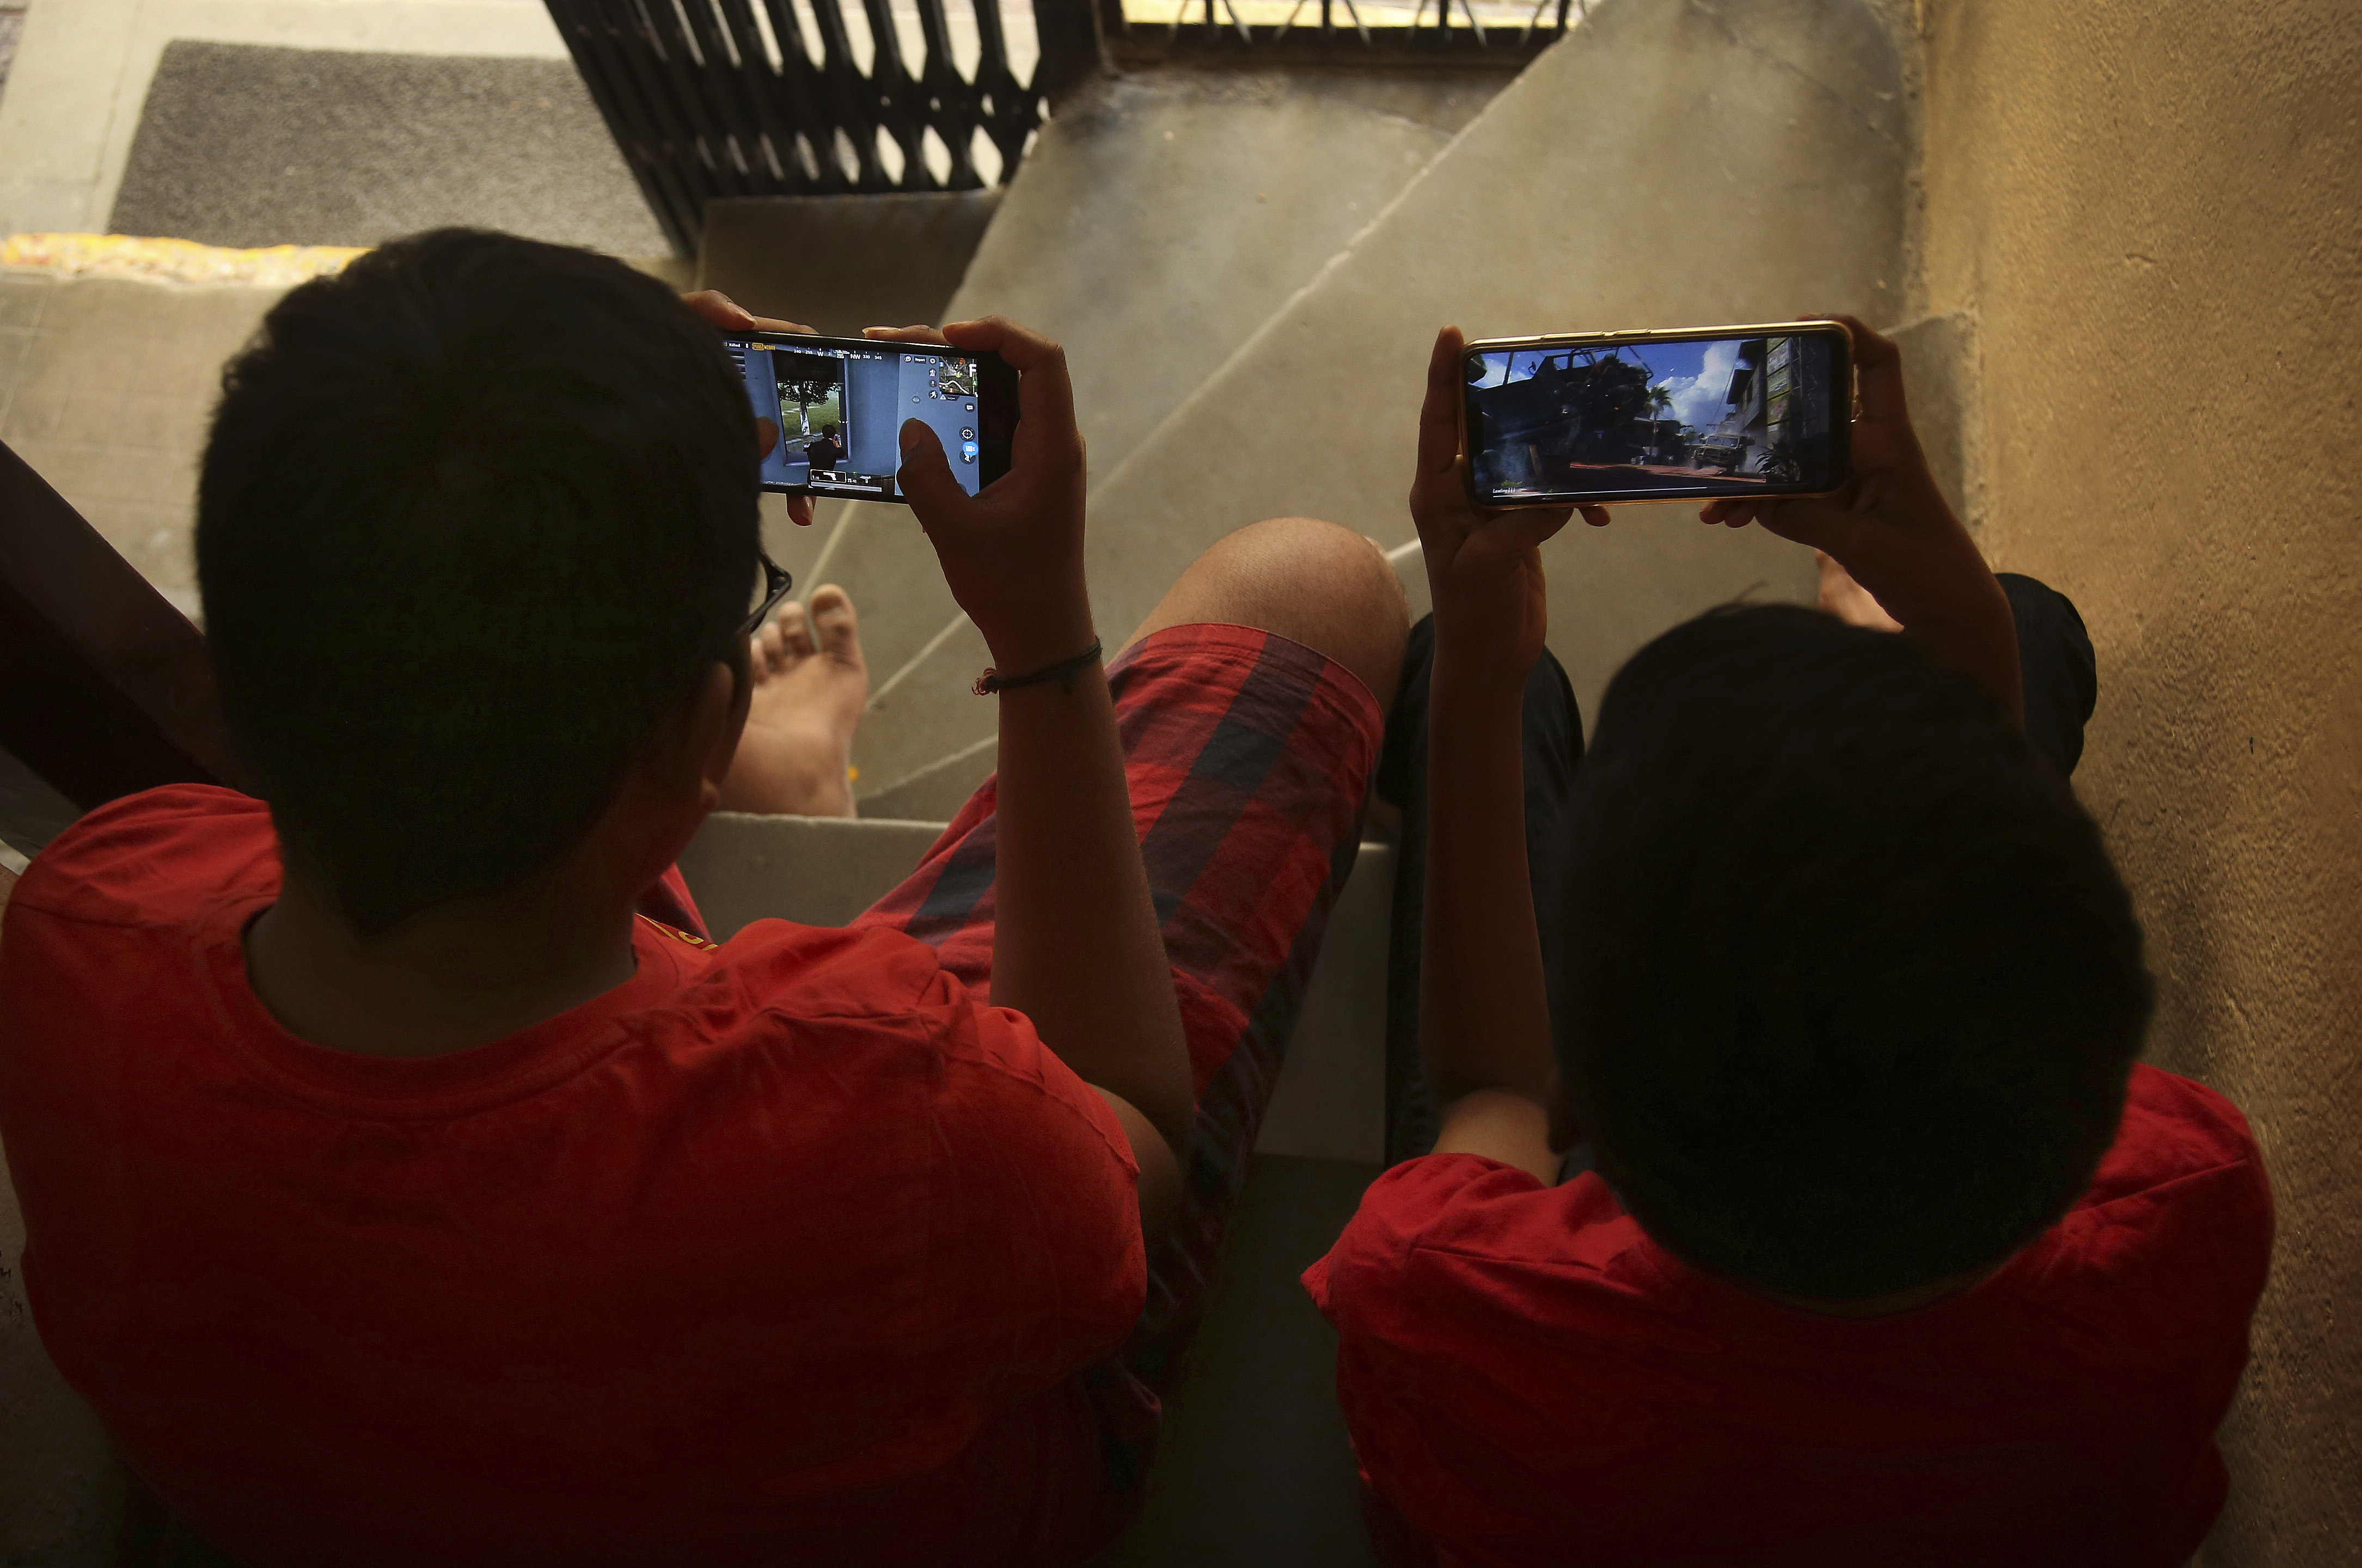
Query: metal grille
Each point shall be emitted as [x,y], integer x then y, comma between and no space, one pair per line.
[715,98]
[1482,34]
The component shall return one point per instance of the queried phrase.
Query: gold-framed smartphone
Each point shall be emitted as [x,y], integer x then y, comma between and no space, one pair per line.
[1602,417]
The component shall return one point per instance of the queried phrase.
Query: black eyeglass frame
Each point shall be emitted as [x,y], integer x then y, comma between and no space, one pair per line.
[778,584]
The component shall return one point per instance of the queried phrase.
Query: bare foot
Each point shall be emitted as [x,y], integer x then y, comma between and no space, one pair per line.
[810,685]
[1850,602]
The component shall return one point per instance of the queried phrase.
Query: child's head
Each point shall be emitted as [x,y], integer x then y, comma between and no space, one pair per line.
[475,516]
[1846,988]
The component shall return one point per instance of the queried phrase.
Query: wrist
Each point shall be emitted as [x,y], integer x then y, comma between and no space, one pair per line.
[1466,681]
[1976,632]
[1042,636]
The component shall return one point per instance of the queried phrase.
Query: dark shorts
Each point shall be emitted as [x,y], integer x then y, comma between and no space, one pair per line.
[1249,757]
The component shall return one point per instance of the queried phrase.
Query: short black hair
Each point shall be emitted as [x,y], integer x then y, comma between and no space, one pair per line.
[474,514]
[1846,991]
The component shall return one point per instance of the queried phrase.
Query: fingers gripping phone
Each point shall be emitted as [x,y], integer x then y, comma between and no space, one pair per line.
[1598,417]
[831,409]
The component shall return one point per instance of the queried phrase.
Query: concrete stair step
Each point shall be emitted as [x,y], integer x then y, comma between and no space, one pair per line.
[1159,219]
[1723,160]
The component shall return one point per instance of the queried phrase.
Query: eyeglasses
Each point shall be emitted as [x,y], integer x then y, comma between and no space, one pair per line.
[775,584]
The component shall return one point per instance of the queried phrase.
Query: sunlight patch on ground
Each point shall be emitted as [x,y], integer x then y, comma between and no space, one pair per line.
[171,261]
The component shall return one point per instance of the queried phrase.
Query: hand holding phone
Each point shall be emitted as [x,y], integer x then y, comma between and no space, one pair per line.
[731,316]
[1484,565]
[1012,552]
[1889,525]
[1658,415]
[830,410]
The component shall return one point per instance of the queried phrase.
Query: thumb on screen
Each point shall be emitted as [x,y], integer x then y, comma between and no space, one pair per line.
[926,475]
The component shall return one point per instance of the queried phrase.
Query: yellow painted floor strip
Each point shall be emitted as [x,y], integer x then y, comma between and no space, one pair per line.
[171,261]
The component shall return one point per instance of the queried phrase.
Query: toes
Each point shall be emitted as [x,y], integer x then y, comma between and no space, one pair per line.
[795,633]
[838,627]
[763,651]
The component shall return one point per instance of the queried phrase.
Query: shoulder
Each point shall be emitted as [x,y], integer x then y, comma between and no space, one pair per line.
[890,1009]
[2176,1134]
[1462,1223]
[151,854]
[2175,1229]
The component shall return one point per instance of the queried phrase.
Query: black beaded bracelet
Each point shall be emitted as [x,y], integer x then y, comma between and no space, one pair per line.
[1065,669]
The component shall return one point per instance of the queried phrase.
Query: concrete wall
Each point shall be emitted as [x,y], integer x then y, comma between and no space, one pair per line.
[2151,212]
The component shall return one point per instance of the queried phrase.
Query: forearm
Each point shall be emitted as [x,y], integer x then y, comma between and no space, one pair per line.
[1483,1008]
[1966,622]
[1075,943]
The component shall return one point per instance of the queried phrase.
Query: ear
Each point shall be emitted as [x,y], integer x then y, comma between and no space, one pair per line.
[690,753]
[715,717]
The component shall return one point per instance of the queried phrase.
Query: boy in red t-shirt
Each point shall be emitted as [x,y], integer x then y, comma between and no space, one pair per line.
[408,1179]
[1821,1215]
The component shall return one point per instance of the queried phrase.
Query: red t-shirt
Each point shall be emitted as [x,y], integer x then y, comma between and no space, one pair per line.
[1529,1380]
[789,1250]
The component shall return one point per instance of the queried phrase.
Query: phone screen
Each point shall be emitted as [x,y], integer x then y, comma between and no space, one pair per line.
[837,405]
[1658,415]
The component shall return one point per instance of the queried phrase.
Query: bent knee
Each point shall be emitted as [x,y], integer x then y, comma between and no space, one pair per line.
[1332,589]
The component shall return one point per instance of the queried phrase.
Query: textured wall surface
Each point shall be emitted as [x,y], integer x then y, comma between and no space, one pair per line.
[2151,210]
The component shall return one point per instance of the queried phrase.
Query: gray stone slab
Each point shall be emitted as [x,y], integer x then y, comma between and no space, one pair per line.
[1331,1100]
[1254,1469]
[1724,161]
[881,556]
[31,811]
[744,866]
[246,144]
[798,550]
[840,263]
[108,396]
[936,792]
[927,716]
[23,298]
[1163,217]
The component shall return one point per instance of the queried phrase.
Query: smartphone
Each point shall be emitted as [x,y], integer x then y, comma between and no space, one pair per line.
[1615,417]
[835,406]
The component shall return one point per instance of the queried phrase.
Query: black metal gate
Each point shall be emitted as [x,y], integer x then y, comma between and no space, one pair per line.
[715,98]
[708,100]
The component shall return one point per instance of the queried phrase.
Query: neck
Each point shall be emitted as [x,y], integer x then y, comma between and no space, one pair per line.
[443,980]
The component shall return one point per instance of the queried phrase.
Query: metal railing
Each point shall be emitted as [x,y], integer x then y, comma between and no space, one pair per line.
[718,98]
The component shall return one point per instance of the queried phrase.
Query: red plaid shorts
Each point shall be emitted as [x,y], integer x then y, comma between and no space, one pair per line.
[1249,757]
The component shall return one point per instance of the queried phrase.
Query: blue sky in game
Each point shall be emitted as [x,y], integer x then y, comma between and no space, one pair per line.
[1696,374]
